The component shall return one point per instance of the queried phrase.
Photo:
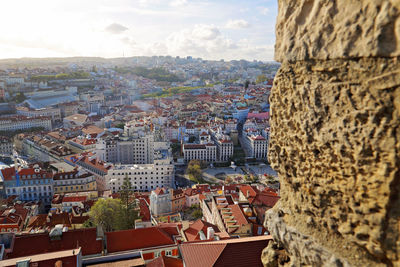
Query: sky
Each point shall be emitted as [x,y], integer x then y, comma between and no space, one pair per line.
[219,29]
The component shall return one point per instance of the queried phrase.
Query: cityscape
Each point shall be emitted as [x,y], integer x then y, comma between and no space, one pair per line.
[180,144]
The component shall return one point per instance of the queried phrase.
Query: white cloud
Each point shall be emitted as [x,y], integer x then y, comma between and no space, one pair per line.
[237,24]
[205,32]
[176,3]
[116,28]
[100,28]
[264,10]
[208,42]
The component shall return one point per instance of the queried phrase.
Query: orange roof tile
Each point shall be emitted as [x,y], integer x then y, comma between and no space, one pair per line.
[164,261]
[230,252]
[137,239]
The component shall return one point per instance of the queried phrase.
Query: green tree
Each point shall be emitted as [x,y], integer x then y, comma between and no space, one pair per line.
[261,78]
[246,84]
[197,214]
[120,125]
[106,213]
[20,97]
[88,224]
[130,210]
[194,171]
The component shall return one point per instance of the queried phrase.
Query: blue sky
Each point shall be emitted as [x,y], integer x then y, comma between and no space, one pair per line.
[208,29]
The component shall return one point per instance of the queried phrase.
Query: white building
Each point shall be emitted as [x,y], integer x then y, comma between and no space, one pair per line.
[53,113]
[126,149]
[224,145]
[143,177]
[21,123]
[256,146]
[136,146]
[206,152]
[15,79]
[160,201]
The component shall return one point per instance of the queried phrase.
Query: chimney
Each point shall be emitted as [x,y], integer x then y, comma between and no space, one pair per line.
[210,233]
[248,193]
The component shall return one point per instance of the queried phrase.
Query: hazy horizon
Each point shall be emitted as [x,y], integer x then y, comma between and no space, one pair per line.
[213,30]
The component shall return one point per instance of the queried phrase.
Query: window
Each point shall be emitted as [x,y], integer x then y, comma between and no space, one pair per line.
[168,253]
[157,254]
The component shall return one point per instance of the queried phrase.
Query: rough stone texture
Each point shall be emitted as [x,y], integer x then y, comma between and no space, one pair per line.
[335,133]
[322,29]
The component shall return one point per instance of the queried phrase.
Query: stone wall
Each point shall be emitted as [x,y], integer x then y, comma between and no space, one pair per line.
[335,135]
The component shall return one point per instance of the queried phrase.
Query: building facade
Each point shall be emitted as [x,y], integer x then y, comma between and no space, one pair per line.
[53,113]
[15,123]
[206,152]
[30,184]
[6,146]
[70,182]
[143,177]
[127,149]
[160,202]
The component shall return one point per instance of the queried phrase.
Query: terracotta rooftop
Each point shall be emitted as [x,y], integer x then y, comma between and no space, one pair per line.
[165,261]
[137,239]
[193,232]
[32,244]
[230,252]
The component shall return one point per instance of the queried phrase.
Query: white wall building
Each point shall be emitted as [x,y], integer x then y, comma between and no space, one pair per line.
[126,150]
[256,146]
[206,152]
[224,145]
[160,201]
[143,177]
[21,123]
[54,113]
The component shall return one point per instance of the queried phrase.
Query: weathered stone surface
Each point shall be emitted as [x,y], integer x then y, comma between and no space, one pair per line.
[335,142]
[327,29]
[335,133]
[274,255]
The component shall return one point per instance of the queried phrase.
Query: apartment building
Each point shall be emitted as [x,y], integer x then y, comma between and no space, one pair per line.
[206,152]
[228,216]
[6,146]
[160,201]
[19,122]
[144,177]
[224,145]
[53,113]
[29,184]
[256,145]
[70,182]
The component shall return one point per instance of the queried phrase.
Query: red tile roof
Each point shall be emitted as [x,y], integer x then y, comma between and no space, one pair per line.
[248,190]
[191,192]
[265,199]
[231,252]
[31,244]
[74,199]
[137,239]
[238,214]
[8,173]
[193,232]
[144,210]
[164,261]
[159,191]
